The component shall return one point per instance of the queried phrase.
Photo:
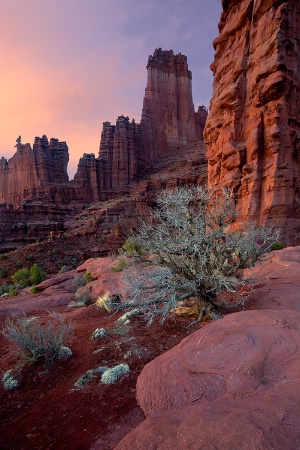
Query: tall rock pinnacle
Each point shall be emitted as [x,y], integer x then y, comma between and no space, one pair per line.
[168,116]
[253,128]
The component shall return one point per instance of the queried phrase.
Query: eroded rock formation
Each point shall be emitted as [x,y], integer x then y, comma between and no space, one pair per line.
[32,170]
[253,128]
[168,116]
[36,178]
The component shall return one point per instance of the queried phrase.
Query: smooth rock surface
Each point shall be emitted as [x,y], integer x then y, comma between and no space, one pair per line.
[231,385]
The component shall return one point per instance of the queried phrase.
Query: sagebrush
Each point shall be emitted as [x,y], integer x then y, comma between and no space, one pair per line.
[38,339]
[190,251]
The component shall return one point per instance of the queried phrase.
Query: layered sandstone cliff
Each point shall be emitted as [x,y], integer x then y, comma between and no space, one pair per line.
[253,128]
[31,171]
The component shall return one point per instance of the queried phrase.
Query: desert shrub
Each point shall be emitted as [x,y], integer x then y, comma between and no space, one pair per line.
[34,290]
[9,380]
[77,283]
[12,291]
[36,275]
[103,302]
[5,287]
[88,375]
[99,333]
[110,376]
[84,296]
[277,245]
[38,341]
[3,272]
[88,277]
[30,257]
[64,269]
[131,247]
[21,278]
[120,265]
[192,253]
[3,256]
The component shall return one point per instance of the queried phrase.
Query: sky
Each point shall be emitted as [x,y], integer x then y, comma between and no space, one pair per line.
[67,66]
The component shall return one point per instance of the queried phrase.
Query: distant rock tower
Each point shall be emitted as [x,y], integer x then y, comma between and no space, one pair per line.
[253,128]
[168,116]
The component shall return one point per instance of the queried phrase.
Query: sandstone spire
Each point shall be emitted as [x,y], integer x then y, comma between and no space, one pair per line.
[253,128]
[168,116]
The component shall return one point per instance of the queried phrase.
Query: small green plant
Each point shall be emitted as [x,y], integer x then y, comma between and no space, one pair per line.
[277,245]
[36,275]
[12,291]
[18,264]
[9,381]
[3,272]
[121,265]
[110,376]
[3,256]
[38,341]
[88,277]
[30,257]
[34,290]
[21,277]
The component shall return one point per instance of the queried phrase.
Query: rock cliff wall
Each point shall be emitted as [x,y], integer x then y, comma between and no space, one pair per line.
[253,128]
[31,170]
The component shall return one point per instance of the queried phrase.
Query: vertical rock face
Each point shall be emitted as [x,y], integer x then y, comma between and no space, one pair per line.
[89,179]
[118,150]
[51,160]
[200,120]
[32,169]
[168,117]
[253,128]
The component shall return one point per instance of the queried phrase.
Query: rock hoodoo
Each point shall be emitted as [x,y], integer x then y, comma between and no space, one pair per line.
[253,128]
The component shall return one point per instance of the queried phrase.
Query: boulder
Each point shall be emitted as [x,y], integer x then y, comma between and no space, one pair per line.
[230,385]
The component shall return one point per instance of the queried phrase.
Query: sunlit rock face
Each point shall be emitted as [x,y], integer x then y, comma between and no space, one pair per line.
[253,128]
[32,170]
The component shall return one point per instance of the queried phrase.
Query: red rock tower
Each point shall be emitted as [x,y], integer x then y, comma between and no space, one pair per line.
[253,128]
[168,116]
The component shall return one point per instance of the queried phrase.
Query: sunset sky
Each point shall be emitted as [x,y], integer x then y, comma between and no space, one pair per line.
[69,65]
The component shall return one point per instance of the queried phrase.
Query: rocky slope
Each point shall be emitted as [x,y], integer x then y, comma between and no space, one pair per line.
[253,128]
[234,383]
